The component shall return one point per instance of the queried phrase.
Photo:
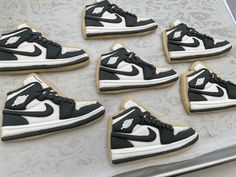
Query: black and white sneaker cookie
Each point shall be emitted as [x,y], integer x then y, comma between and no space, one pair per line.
[183,43]
[105,19]
[202,90]
[136,134]
[26,50]
[36,109]
[122,70]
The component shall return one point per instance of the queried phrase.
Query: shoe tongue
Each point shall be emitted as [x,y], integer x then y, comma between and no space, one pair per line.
[24,25]
[130,103]
[35,78]
[198,66]
[175,23]
[119,46]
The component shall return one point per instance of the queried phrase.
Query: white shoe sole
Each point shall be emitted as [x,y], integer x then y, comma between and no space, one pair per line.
[31,61]
[198,53]
[196,106]
[23,131]
[134,152]
[119,31]
[126,84]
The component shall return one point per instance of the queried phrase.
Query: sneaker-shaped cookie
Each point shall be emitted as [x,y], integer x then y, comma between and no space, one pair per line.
[184,43]
[136,134]
[122,70]
[26,50]
[105,19]
[36,109]
[203,91]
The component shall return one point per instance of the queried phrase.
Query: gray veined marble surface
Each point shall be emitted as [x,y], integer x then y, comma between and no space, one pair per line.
[83,151]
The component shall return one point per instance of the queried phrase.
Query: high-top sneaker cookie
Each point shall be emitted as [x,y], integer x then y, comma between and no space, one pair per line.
[122,70]
[105,19]
[36,109]
[184,43]
[26,50]
[202,90]
[135,134]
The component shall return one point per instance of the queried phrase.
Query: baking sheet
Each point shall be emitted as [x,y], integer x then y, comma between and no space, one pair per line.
[83,151]
[210,159]
[231,6]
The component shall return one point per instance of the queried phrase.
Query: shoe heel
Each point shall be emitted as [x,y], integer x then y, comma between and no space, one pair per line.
[104,75]
[119,143]
[13,120]
[196,97]
[174,47]
[91,22]
[5,56]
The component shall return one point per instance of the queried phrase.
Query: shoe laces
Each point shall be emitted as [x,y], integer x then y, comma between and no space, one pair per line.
[38,36]
[194,32]
[49,93]
[135,59]
[120,11]
[218,80]
[151,120]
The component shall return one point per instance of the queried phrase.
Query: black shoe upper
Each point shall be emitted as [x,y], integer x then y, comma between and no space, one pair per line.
[16,38]
[31,91]
[178,32]
[195,90]
[137,117]
[123,55]
[97,10]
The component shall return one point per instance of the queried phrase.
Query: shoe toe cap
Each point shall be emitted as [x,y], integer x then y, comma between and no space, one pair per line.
[146,21]
[184,133]
[83,108]
[71,52]
[221,43]
[165,73]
